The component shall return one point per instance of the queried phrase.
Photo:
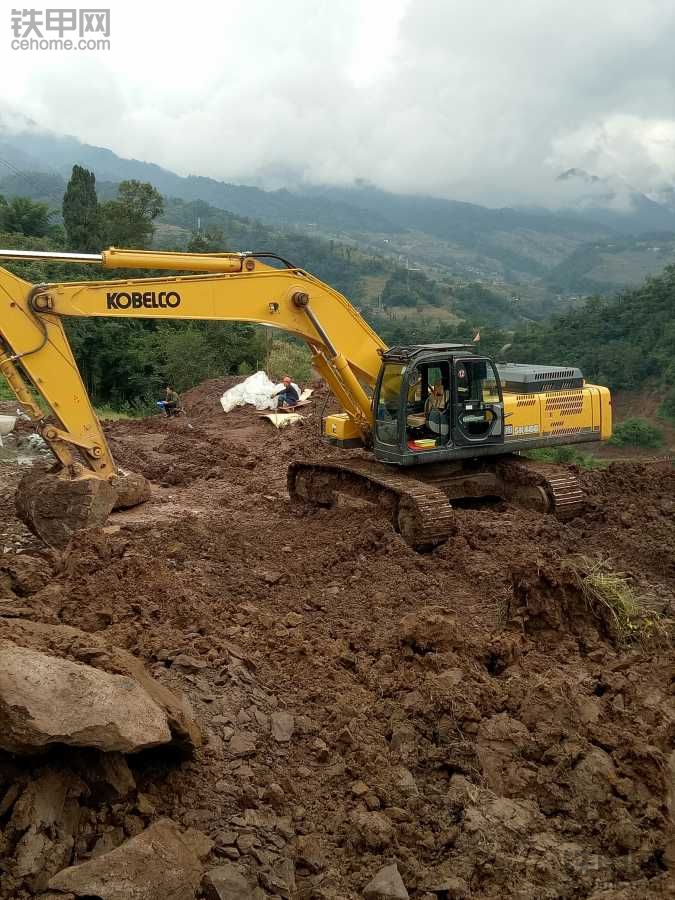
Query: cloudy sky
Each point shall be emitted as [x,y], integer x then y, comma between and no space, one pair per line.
[481,100]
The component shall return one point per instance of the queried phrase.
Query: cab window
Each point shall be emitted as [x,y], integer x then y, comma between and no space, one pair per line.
[388,408]
[476,381]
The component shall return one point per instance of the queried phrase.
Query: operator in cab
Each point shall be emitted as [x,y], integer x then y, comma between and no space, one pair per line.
[287,392]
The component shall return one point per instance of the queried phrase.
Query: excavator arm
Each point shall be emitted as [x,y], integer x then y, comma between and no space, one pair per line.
[230,287]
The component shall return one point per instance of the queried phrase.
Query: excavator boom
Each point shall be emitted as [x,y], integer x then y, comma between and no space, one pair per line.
[237,287]
[437,413]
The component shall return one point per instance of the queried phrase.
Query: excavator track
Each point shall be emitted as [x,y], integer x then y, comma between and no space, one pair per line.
[420,512]
[418,501]
[561,490]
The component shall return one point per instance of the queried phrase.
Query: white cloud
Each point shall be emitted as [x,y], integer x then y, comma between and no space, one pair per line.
[472,99]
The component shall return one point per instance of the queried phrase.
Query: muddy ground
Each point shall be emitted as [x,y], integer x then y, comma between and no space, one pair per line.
[463,713]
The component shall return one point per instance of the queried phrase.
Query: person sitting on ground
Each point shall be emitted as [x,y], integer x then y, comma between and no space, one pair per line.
[172,402]
[287,392]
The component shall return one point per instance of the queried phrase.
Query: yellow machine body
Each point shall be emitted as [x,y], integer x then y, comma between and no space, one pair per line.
[560,416]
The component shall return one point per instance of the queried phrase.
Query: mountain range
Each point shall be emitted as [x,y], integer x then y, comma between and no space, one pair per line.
[518,246]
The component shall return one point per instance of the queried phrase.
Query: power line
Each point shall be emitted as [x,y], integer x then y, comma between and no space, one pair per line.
[29,178]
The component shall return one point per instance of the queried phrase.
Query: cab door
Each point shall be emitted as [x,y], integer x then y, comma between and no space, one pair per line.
[477,404]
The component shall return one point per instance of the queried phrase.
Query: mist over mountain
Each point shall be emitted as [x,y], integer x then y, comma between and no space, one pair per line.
[572,248]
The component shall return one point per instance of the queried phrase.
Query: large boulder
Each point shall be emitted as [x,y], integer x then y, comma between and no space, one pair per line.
[131,489]
[46,700]
[155,865]
[79,646]
[55,508]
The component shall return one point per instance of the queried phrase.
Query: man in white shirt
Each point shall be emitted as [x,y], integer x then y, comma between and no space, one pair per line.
[287,392]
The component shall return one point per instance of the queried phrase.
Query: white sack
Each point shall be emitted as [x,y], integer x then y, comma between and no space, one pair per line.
[256,389]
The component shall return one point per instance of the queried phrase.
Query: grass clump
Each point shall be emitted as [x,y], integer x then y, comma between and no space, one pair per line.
[612,599]
[565,455]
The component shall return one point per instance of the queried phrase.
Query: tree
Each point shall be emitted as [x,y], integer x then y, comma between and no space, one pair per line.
[81,214]
[128,219]
[24,216]
[210,241]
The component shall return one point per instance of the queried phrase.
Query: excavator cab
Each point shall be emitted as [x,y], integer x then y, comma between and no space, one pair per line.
[436,402]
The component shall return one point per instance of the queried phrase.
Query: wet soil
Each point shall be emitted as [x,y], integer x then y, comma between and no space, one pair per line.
[464,712]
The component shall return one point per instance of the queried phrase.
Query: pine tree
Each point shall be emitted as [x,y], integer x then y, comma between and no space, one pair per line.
[81,215]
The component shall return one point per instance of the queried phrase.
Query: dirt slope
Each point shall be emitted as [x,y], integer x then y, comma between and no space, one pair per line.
[463,713]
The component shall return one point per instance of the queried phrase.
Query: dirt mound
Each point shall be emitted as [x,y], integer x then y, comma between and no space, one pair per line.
[461,713]
[203,401]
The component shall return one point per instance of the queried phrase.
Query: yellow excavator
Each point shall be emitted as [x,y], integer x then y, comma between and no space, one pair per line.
[442,424]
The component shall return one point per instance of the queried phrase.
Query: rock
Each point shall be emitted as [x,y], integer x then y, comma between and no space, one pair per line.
[450,678]
[226,882]
[321,749]
[283,725]
[25,575]
[372,801]
[450,888]
[226,838]
[281,881]
[133,825]
[199,842]
[9,798]
[275,796]
[500,743]
[116,774]
[187,664]
[618,703]
[246,842]
[46,817]
[108,841]
[156,865]
[360,788]
[293,619]
[403,737]
[54,509]
[594,776]
[429,629]
[243,743]
[131,489]
[405,781]
[309,853]
[387,883]
[144,805]
[373,830]
[45,700]
[179,715]
[589,709]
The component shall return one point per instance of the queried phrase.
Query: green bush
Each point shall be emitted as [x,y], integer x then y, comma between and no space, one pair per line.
[667,408]
[286,358]
[636,433]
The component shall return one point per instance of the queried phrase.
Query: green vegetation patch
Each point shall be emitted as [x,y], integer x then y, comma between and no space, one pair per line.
[636,433]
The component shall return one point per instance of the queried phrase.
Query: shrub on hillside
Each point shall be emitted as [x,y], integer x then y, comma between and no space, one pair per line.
[667,408]
[286,358]
[636,433]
